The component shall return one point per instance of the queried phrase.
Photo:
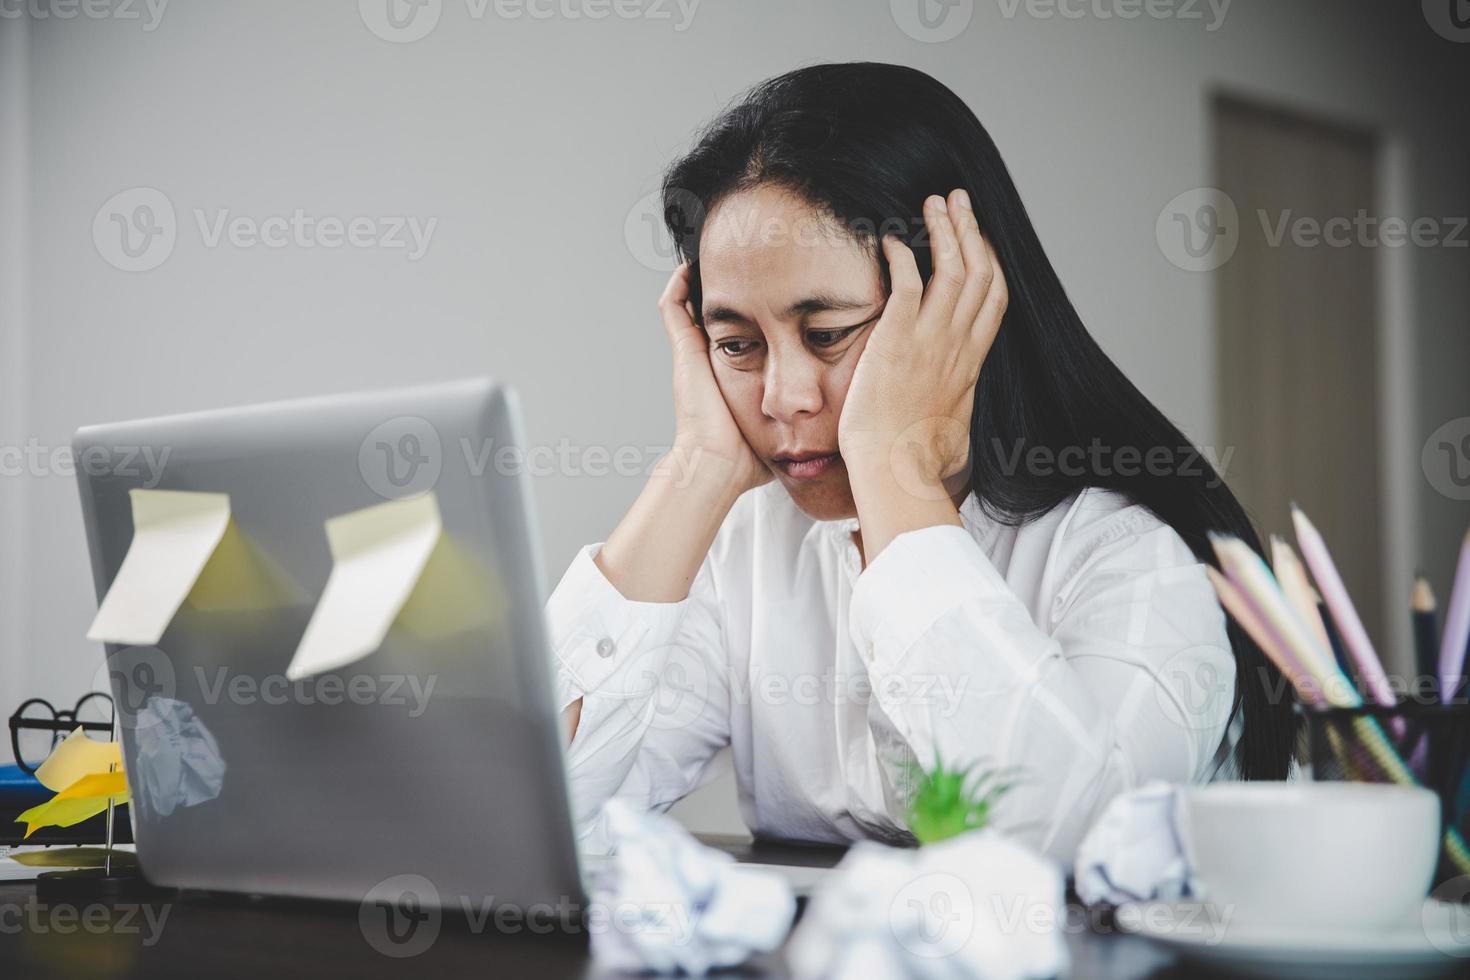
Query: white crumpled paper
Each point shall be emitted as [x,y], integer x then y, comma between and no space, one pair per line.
[178,763]
[1134,852]
[976,907]
[672,904]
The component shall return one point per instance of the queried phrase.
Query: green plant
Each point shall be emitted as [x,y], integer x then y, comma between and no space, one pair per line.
[948,802]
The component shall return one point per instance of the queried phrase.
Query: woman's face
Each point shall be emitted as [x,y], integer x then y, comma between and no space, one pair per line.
[789,301]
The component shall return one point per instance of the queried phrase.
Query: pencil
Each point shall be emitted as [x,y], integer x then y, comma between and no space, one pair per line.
[1354,636]
[1426,635]
[1333,640]
[1243,611]
[1250,574]
[1456,628]
[1251,595]
[1296,588]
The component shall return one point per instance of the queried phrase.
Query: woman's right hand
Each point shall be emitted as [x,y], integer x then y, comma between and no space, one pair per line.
[655,551]
[705,431]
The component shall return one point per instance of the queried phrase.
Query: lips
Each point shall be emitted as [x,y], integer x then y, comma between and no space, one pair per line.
[805,465]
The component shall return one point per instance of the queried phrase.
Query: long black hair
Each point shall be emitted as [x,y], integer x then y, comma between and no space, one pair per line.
[865,143]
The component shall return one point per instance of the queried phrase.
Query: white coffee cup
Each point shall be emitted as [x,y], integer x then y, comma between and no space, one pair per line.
[1312,856]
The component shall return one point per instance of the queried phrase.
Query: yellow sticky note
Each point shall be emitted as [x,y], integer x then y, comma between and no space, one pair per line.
[84,798]
[378,555]
[76,757]
[174,533]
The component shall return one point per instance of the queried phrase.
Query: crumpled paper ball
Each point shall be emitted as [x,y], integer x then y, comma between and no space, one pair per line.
[978,906]
[179,763]
[1134,852]
[676,905]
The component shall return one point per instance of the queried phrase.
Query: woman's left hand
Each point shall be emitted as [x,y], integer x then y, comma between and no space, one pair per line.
[908,407]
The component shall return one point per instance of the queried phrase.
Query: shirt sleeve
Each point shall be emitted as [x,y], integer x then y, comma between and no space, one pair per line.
[655,695]
[1129,676]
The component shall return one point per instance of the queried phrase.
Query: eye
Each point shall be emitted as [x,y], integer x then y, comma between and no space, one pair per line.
[828,338]
[833,337]
[735,348]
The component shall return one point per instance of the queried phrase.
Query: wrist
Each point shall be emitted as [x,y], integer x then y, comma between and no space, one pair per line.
[897,472]
[701,473]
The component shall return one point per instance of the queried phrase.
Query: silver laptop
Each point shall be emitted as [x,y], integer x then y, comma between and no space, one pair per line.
[435,759]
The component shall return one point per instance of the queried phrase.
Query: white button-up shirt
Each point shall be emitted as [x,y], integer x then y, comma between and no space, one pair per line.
[1081,653]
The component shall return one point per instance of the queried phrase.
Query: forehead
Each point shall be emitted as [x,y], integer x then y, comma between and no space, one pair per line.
[763,244]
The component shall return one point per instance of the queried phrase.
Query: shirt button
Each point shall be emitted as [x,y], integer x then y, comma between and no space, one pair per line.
[605,648]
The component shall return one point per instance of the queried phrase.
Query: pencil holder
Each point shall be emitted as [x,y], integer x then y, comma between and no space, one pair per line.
[1413,744]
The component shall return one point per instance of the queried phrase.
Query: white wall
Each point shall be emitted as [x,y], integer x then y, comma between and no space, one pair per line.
[15,595]
[532,141]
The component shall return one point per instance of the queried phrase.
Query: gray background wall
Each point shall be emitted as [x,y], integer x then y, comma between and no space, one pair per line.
[534,141]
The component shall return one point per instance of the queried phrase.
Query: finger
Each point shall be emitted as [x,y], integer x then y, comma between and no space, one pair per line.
[997,299]
[673,308]
[949,265]
[906,288]
[978,268]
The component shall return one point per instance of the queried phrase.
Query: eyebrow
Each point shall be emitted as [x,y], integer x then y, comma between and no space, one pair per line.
[816,303]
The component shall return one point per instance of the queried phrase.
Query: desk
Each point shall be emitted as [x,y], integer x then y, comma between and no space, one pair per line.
[195,934]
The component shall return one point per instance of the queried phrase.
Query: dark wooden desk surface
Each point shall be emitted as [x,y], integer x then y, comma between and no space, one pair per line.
[194,935]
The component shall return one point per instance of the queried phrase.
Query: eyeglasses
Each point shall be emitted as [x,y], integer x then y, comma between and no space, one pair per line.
[37,727]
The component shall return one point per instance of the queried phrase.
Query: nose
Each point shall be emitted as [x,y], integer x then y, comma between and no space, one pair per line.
[793,386]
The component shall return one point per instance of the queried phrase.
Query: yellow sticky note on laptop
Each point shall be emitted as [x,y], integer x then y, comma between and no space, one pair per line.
[378,555]
[174,534]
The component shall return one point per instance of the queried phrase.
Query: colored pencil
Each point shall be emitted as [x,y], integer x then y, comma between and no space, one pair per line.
[1244,612]
[1349,626]
[1297,589]
[1249,588]
[1426,634]
[1452,647]
[1333,640]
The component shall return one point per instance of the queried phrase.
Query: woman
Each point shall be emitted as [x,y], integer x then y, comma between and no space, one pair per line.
[913,513]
